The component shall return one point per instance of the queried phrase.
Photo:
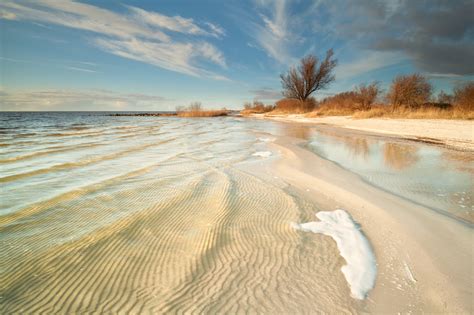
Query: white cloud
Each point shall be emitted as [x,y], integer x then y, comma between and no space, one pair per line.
[80,69]
[215,30]
[367,62]
[273,35]
[176,23]
[177,57]
[74,99]
[138,35]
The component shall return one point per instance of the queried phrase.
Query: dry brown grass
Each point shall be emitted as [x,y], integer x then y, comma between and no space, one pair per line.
[294,106]
[195,110]
[256,108]
[420,113]
[203,113]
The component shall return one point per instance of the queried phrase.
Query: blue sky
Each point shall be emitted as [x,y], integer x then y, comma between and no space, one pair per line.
[156,55]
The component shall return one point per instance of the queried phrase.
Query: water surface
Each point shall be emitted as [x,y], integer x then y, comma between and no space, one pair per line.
[433,176]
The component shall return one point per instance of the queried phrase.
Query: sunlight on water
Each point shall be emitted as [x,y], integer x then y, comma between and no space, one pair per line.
[435,177]
[147,214]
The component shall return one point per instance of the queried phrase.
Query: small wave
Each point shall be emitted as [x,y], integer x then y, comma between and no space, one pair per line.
[262,154]
[361,270]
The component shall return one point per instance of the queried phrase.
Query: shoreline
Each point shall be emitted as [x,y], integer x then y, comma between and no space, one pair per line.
[414,275]
[453,134]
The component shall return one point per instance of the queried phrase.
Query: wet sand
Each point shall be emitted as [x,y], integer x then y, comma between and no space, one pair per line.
[458,134]
[193,220]
[424,259]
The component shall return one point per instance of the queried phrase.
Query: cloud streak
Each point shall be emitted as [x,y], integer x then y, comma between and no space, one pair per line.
[48,100]
[138,34]
[272,31]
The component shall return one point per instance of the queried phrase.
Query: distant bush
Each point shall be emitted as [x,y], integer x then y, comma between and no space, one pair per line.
[366,95]
[464,96]
[195,110]
[409,90]
[256,108]
[290,105]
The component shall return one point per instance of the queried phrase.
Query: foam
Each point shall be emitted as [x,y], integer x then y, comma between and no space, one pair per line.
[266,139]
[361,270]
[262,153]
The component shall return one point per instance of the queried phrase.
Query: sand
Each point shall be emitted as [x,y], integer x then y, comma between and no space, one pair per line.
[209,228]
[424,259]
[458,134]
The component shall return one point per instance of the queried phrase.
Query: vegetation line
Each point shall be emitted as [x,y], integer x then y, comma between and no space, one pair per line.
[409,96]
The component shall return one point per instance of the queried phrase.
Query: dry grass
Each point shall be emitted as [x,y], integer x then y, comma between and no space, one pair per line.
[256,108]
[420,113]
[203,113]
[330,111]
[294,106]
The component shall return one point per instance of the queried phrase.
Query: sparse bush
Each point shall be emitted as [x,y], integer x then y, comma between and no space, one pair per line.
[366,95]
[195,107]
[444,98]
[289,105]
[409,90]
[195,110]
[341,104]
[464,96]
[256,108]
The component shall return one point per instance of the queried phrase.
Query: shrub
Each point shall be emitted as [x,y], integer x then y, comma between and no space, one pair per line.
[256,108]
[195,110]
[409,90]
[290,105]
[366,95]
[464,96]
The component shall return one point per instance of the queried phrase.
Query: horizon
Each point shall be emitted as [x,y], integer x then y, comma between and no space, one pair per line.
[144,56]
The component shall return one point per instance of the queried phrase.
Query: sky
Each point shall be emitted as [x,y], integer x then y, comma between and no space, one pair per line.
[156,55]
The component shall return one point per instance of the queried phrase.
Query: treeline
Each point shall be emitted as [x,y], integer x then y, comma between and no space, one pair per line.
[409,96]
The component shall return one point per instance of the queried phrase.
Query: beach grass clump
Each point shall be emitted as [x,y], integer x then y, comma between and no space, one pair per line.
[195,110]
[256,108]
[426,112]
[294,106]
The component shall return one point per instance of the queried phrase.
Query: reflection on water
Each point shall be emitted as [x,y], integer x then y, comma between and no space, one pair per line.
[295,130]
[399,156]
[435,177]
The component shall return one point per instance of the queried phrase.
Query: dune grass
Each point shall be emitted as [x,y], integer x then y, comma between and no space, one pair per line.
[203,113]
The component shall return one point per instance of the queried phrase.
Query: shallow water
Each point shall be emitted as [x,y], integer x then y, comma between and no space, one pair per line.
[150,214]
[160,214]
[435,177]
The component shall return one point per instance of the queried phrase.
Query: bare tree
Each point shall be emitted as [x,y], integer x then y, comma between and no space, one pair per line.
[366,95]
[310,76]
[409,90]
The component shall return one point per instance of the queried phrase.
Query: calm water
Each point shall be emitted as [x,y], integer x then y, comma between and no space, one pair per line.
[148,214]
[432,176]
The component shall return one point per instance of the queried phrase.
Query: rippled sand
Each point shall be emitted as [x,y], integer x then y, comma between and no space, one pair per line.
[160,215]
[156,217]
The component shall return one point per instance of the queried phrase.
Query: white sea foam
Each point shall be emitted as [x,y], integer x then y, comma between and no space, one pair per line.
[266,139]
[262,153]
[361,270]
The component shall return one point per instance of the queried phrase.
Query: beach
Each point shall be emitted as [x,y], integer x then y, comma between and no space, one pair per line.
[231,215]
[456,134]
